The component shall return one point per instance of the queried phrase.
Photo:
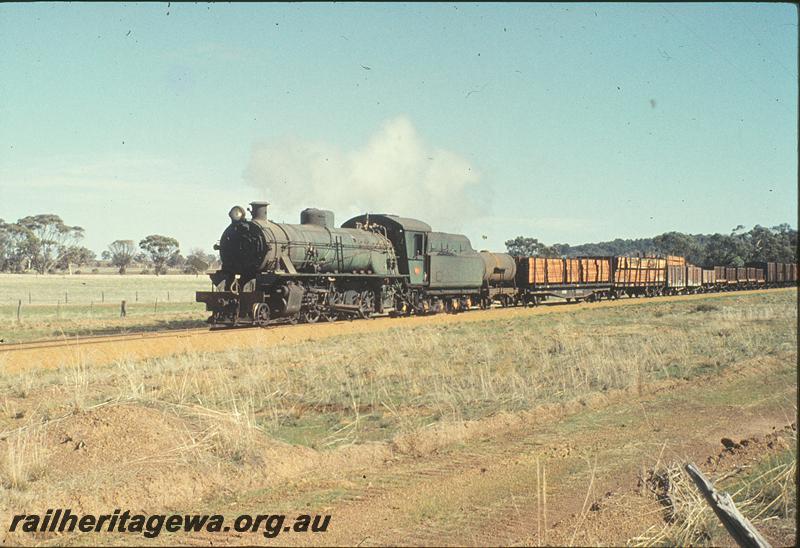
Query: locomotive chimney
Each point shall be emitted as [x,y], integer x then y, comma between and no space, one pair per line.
[258,210]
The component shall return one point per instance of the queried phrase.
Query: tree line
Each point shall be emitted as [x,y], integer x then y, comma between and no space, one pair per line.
[44,243]
[778,244]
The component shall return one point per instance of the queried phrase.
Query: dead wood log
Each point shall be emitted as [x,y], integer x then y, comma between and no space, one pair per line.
[736,524]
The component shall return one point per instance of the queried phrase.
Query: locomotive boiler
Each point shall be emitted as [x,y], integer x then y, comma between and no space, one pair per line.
[278,271]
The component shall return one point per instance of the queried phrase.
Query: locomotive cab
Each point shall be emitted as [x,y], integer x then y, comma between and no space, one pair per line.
[409,238]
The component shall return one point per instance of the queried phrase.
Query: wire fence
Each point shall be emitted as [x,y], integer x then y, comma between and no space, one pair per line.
[25,296]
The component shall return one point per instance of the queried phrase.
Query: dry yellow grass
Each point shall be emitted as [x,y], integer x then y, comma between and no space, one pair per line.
[214,424]
[374,386]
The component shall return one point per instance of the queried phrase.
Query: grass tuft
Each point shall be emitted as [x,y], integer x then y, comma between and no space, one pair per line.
[24,459]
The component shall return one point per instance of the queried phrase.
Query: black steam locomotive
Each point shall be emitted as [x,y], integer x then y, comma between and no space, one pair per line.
[285,273]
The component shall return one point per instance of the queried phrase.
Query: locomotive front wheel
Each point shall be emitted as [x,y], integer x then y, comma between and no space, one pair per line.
[261,314]
[311,316]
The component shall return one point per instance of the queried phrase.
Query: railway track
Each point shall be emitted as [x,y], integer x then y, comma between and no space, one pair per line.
[100,349]
[99,339]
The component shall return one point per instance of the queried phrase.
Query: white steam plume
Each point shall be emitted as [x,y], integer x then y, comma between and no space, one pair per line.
[394,172]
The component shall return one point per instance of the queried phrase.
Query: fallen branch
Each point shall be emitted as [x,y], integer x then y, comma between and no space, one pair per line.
[737,525]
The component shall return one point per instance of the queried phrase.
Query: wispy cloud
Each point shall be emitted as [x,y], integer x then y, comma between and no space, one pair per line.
[395,171]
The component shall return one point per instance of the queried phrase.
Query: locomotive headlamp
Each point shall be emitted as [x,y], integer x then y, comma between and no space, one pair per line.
[236,214]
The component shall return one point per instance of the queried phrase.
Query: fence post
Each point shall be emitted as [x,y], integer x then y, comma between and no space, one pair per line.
[167,296]
[29,297]
[122,311]
[155,306]
[58,309]
[137,296]
[66,297]
[19,308]
[102,296]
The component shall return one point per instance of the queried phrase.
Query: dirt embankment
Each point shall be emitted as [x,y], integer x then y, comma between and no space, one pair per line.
[562,474]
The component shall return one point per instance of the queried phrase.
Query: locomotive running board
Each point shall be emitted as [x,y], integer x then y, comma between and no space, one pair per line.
[272,276]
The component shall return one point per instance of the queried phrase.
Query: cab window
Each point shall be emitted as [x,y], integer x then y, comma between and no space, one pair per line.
[417,245]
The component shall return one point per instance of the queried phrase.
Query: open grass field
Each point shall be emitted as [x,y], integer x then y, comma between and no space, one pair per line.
[58,305]
[517,428]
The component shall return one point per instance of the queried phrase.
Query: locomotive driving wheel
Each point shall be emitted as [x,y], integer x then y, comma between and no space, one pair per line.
[366,304]
[261,314]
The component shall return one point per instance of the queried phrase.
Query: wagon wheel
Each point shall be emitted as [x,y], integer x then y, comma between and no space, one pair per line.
[261,314]
[312,315]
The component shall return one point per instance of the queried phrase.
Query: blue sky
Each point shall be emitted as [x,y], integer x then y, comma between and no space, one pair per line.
[567,122]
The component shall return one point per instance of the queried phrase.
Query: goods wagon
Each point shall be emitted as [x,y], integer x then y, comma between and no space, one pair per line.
[769,272]
[709,277]
[639,271]
[694,277]
[719,274]
[730,275]
[541,271]
[573,278]
[499,279]
[640,275]
[741,275]
[499,268]
[790,271]
[676,278]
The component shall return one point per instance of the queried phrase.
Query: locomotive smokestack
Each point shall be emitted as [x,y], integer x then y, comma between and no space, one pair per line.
[258,210]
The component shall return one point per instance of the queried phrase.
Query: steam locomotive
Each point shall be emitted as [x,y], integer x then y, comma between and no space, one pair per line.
[379,263]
